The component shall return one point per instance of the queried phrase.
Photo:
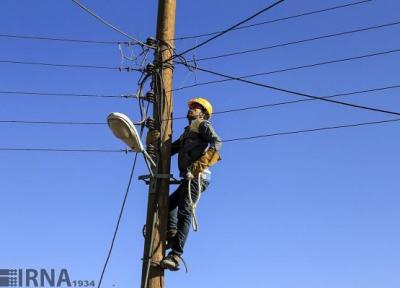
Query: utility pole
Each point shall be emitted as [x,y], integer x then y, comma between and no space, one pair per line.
[157,208]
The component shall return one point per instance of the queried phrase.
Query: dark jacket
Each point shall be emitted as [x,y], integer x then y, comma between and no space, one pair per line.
[194,141]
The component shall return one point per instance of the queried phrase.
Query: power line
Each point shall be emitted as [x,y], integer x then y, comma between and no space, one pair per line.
[122,207]
[214,113]
[279,19]
[307,100]
[290,68]
[11,149]
[56,122]
[230,28]
[57,94]
[299,101]
[118,221]
[294,92]
[276,134]
[128,69]
[26,37]
[85,41]
[51,122]
[311,130]
[108,23]
[298,42]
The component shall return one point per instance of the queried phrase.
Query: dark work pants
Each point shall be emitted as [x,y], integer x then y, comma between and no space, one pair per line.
[180,216]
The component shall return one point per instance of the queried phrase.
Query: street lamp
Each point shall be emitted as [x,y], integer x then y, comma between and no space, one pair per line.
[123,128]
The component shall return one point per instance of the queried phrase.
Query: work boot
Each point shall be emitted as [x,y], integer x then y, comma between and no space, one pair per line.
[171,234]
[171,262]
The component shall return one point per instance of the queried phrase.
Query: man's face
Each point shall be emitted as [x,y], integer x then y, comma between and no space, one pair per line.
[195,111]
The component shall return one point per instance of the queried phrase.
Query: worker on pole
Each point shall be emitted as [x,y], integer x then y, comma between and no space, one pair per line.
[197,148]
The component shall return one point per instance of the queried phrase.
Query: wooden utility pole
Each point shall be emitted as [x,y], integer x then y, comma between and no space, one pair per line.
[157,210]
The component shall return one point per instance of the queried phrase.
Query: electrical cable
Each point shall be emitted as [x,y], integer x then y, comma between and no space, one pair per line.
[299,101]
[26,37]
[118,221]
[108,23]
[62,150]
[57,94]
[141,81]
[298,42]
[138,95]
[215,112]
[227,140]
[311,130]
[159,86]
[364,56]
[128,69]
[52,122]
[230,28]
[295,92]
[278,20]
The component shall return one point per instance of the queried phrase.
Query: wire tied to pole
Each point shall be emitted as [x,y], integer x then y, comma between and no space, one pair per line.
[105,22]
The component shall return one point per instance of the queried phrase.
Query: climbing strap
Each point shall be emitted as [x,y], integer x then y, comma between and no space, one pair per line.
[195,223]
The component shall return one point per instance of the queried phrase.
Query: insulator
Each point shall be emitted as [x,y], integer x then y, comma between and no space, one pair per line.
[150,123]
[150,68]
[150,96]
[151,42]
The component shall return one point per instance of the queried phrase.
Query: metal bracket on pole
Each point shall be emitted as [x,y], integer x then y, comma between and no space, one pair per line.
[172,180]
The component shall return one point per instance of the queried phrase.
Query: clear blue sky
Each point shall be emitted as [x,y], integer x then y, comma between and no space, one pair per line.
[306,211]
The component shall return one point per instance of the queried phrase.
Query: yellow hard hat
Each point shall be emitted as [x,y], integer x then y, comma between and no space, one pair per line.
[203,102]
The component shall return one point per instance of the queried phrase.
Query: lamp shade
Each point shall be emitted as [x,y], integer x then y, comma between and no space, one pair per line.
[123,128]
